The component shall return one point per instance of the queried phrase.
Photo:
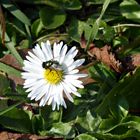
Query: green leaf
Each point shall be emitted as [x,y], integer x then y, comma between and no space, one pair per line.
[77,28]
[9,70]
[18,26]
[52,18]
[108,34]
[37,123]
[120,41]
[128,88]
[85,136]
[19,94]
[61,4]
[24,44]
[4,84]
[96,24]
[63,129]
[131,10]
[89,122]
[15,11]
[36,27]
[2,112]
[95,2]
[51,116]
[10,46]
[17,120]
[3,105]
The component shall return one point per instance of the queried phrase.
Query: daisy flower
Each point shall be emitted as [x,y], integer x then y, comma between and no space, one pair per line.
[51,74]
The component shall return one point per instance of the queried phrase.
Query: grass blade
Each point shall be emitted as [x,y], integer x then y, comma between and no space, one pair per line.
[9,70]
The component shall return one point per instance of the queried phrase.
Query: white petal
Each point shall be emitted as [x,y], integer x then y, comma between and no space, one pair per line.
[64,104]
[49,49]
[76,64]
[50,100]
[34,69]
[43,92]
[45,51]
[33,61]
[71,51]
[56,50]
[38,52]
[29,81]
[73,71]
[63,53]
[34,57]
[69,57]
[76,76]
[42,101]
[36,88]
[26,75]
[67,93]
[73,88]
[28,64]
[77,94]
[53,105]
[48,95]
[77,83]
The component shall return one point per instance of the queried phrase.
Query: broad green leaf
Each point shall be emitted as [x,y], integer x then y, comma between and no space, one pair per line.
[107,125]
[129,127]
[37,123]
[131,10]
[18,26]
[9,70]
[85,136]
[15,11]
[52,18]
[89,122]
[50,116]
[24,44]
[2,112]
[36,27]
[132,134]
[74,110]
[16,119]
[63,129]
[128,87]
[77,28]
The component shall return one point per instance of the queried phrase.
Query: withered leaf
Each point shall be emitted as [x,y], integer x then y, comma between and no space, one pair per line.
[105,55]
[11,61]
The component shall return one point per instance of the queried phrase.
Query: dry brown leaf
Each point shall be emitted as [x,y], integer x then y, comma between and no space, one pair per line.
[136,60]
[17,136]
[11,61]
[104,55]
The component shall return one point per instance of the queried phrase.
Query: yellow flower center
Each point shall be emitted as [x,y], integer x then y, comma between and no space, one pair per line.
[53,76]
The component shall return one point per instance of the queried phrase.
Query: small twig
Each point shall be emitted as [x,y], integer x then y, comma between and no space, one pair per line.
[3,25]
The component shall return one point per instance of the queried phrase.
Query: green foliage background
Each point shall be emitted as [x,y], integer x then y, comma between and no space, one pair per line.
[109,108]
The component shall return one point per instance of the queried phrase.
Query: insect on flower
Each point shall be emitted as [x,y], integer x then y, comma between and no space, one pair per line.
[51,74]
[49,63]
